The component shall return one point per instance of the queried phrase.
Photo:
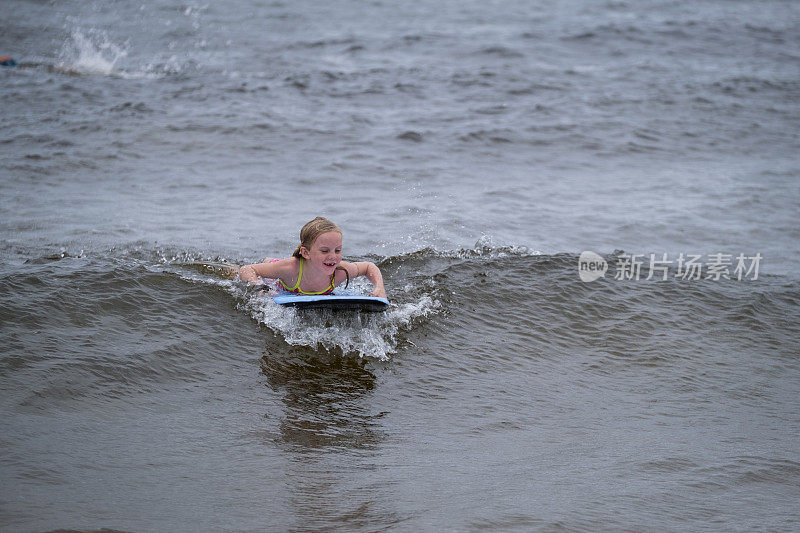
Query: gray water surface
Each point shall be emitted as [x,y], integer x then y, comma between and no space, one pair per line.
[472,150]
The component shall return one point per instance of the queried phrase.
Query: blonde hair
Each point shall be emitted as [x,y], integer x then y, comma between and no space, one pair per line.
[312,230]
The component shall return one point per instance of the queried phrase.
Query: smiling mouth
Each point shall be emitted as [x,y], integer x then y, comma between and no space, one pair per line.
[329,264]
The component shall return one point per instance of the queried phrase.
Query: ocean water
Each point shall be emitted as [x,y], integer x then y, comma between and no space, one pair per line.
[472,150]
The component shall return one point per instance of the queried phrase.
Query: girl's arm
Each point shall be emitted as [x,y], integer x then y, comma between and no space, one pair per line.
[372,272]
[251,273]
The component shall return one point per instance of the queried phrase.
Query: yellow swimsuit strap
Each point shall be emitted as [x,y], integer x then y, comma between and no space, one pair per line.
[300,276]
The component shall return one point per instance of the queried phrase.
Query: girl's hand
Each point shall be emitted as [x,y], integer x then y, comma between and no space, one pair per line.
[380,293]
[372,272]
[265,290]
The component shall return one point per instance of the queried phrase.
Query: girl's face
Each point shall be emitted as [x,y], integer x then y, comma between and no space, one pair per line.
[326,252]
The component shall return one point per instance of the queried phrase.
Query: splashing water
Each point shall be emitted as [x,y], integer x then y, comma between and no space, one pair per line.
[367,335]
[364,334]
[93,54]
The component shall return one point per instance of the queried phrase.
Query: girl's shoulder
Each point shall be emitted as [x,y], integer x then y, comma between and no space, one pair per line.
[352,272]
[351,268]
[284,266]
[355,268]
[291,260]
[291,263]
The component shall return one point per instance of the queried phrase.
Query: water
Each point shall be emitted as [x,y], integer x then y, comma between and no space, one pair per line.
[473,151]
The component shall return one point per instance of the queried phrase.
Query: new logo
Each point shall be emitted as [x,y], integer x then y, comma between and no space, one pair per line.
[591,266]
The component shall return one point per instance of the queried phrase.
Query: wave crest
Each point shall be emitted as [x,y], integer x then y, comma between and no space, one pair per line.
[374,335]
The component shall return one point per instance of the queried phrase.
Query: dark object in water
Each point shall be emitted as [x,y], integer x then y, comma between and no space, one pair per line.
[6,61]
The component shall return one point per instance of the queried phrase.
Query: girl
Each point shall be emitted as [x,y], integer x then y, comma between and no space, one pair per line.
[316,266]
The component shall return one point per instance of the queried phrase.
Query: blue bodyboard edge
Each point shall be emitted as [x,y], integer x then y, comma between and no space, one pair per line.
[332,301]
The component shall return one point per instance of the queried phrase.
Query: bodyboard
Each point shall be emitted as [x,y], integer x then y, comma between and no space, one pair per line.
[350,302]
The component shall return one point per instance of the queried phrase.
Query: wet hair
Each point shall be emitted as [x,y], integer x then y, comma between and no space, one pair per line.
[309,233]
[312,230]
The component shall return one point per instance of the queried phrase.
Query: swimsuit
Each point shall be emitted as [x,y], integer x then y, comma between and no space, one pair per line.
[296,289]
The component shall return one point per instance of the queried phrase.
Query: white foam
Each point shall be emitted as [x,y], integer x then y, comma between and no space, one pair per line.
[373,335]
[486,247]
[94,54]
